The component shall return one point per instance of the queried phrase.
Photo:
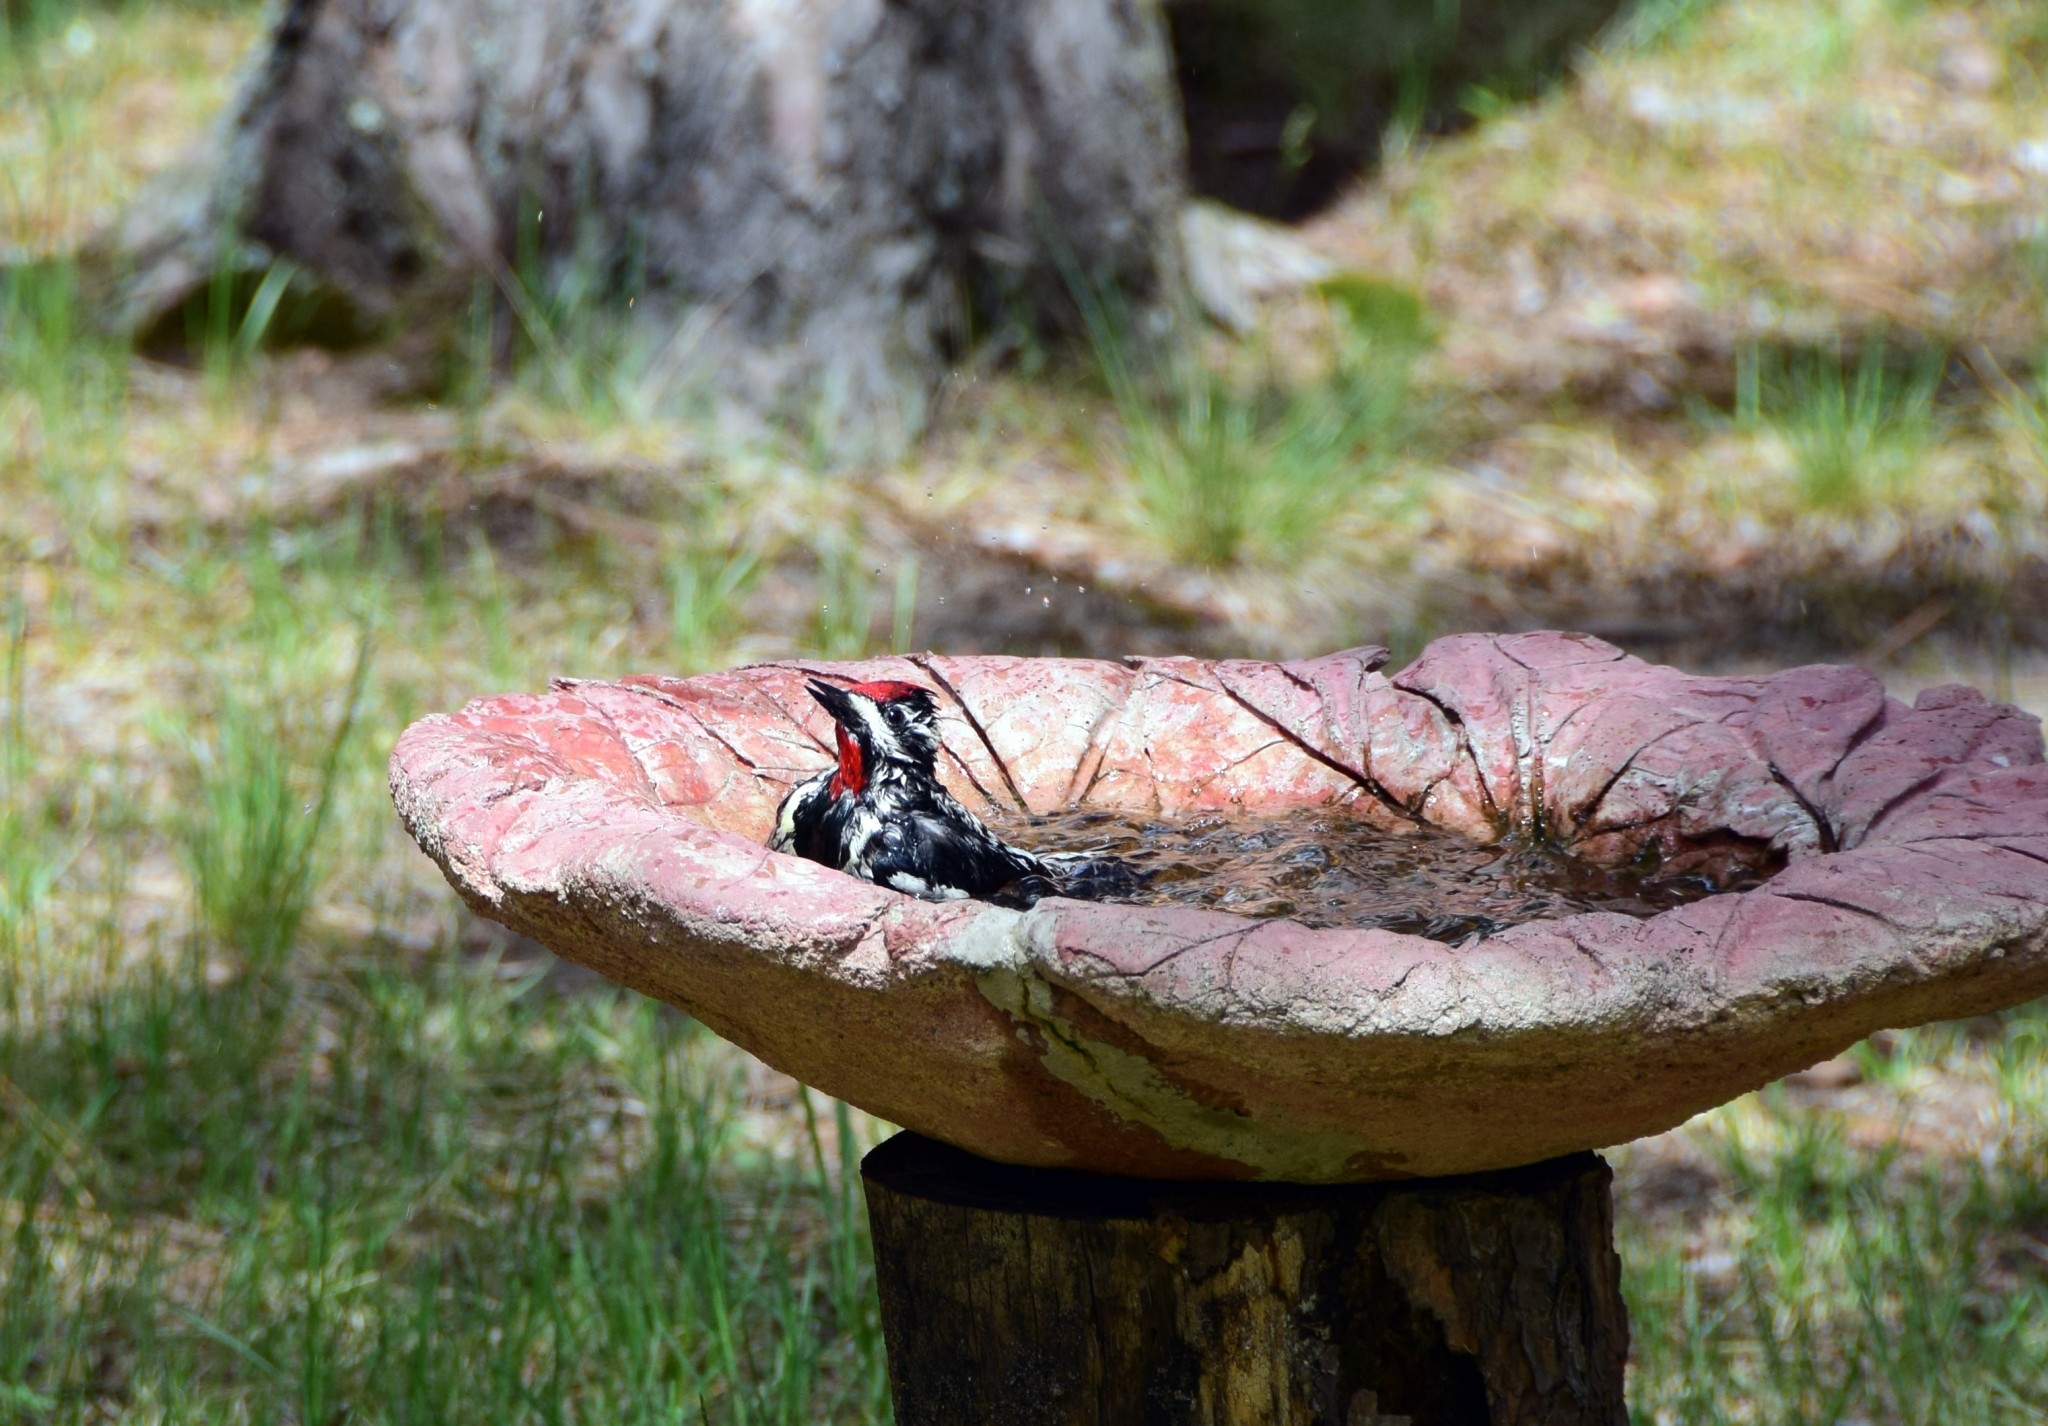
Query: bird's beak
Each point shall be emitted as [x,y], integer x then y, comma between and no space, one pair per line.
[836,701]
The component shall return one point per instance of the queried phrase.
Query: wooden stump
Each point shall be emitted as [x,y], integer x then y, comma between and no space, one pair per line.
[1014,1296]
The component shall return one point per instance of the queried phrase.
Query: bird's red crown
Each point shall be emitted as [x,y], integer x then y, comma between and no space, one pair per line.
[887,690]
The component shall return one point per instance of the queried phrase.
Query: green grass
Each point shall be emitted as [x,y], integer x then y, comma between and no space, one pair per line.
[2025,408]
[1231,468]
[847,589]
[72,386]
[1846,1284]
[380,1191]
[573,351]
[255,1169]
[94,97]
[31,855]
[1860,432]
[706,586]
[262,788]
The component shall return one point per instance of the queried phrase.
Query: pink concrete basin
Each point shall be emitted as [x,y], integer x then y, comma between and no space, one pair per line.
[622,825]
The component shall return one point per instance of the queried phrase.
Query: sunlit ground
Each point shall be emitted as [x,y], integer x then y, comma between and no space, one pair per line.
[290,1136]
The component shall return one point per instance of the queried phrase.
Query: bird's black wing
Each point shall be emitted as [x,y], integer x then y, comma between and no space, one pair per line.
[800,810]
[942,858]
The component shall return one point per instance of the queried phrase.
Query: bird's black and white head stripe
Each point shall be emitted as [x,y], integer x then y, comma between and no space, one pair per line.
[886,722]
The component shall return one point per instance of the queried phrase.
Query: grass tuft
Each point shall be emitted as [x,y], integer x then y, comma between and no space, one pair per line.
[1859,434]
[29,857]
[254,836]
[71,385]
[417,1193]
[708,581]
[1231,470]
[1845,1275]
[2026,410]
[842,624]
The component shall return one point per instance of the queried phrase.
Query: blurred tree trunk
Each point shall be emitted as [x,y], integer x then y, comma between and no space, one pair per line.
[821,199]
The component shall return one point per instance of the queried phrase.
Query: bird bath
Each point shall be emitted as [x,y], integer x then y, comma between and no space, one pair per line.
[622,825]
[1906,849]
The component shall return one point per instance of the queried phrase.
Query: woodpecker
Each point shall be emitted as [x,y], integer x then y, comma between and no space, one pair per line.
[880,814]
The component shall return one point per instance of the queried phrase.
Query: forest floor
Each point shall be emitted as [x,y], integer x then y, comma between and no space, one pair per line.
[1725,348]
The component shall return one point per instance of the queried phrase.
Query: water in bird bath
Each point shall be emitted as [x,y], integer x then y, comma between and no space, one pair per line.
[1328,868]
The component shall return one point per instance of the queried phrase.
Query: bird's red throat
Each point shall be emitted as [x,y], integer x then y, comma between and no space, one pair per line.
[852,775]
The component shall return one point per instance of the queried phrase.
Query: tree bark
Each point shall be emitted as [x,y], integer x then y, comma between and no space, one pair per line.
[1034,1297]
[814,199]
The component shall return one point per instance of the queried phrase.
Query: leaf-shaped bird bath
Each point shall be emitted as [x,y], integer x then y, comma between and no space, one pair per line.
[622,825]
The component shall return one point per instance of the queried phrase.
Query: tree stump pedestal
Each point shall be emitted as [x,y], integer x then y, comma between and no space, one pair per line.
[1054,1298]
